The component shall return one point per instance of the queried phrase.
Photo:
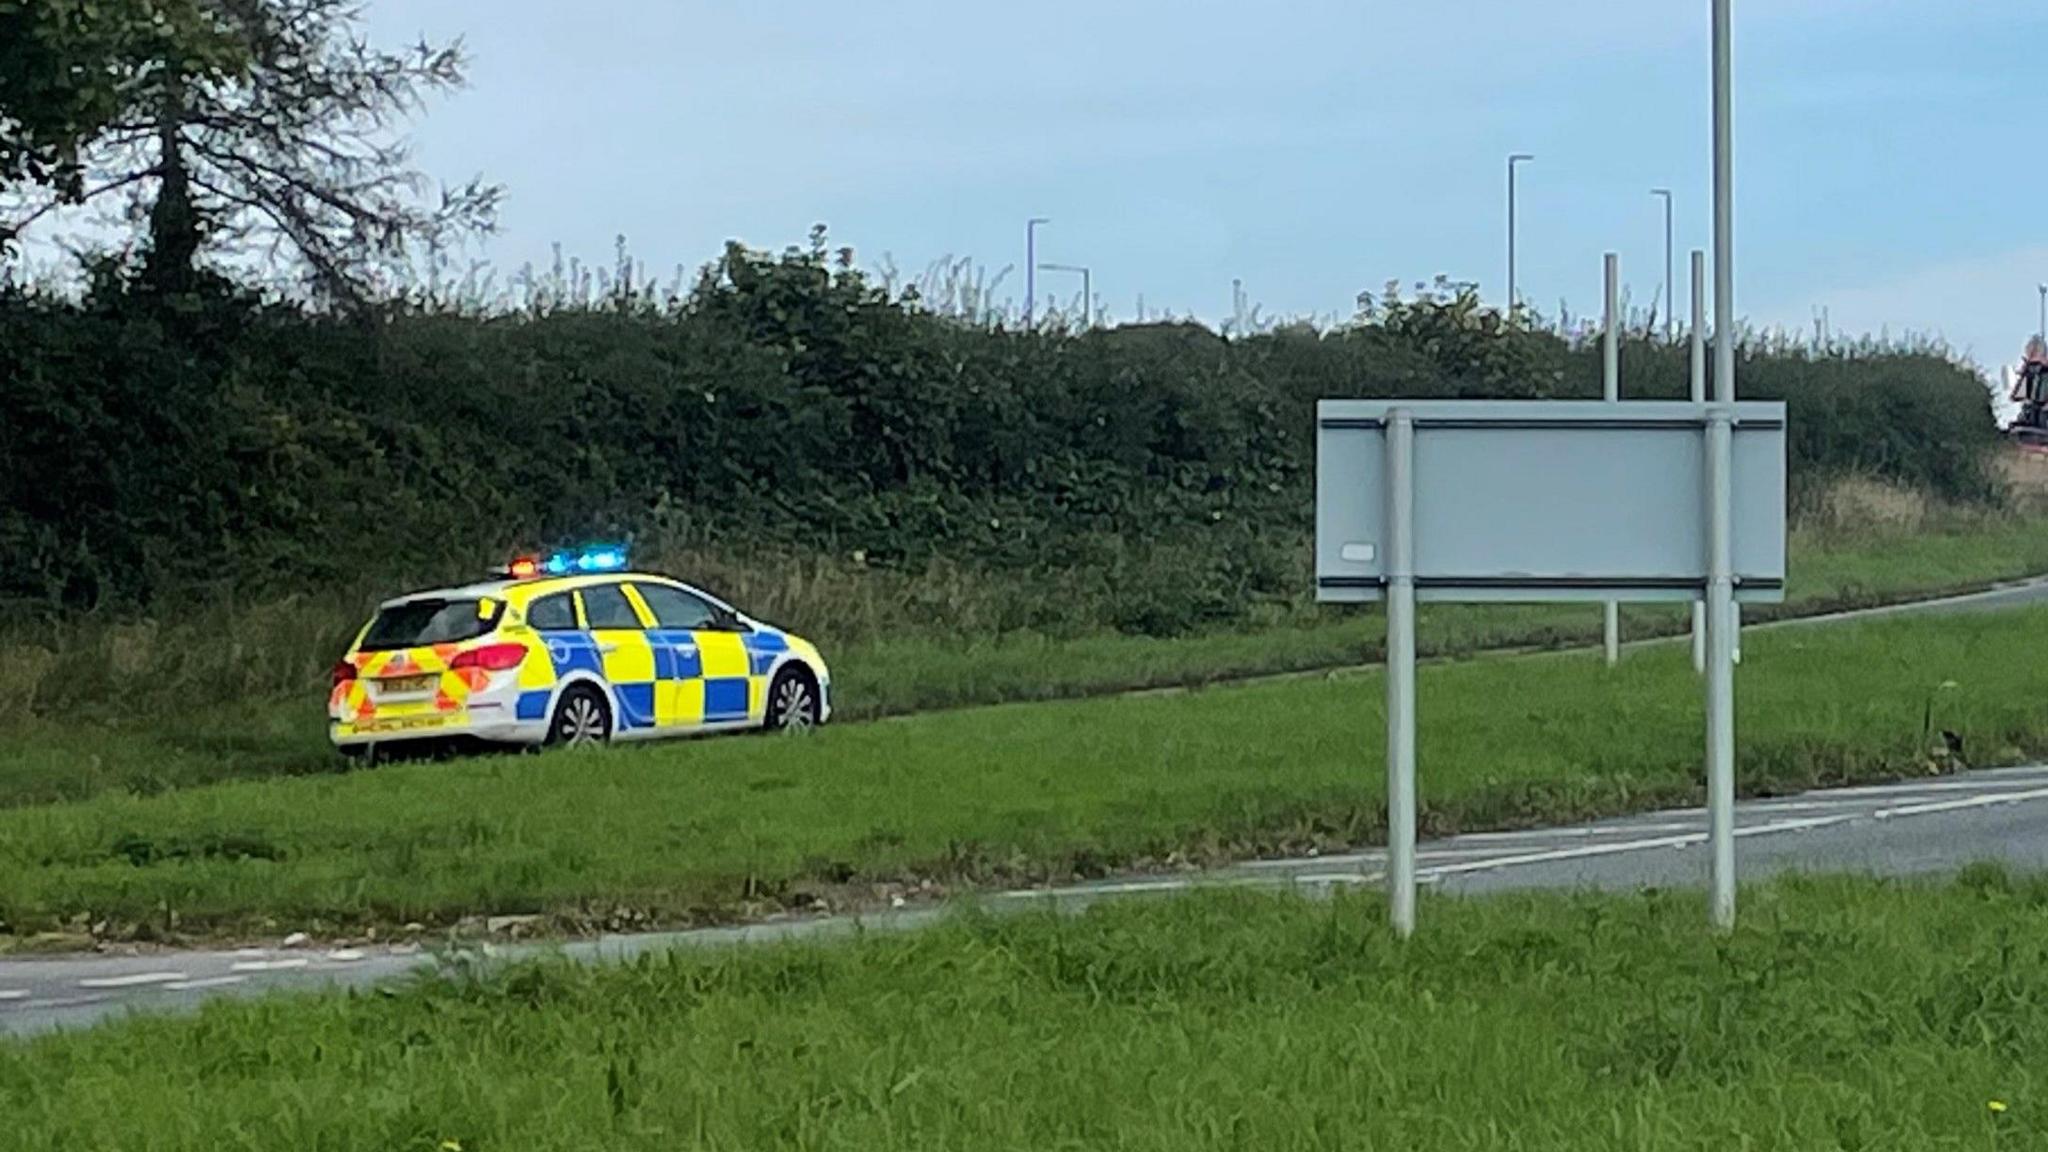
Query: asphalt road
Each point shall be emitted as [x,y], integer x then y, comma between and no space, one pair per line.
[1927,826]
[1917,827]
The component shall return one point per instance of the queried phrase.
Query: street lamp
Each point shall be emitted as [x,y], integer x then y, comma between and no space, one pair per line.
[1724,625]
[1031,266]
[1087,290]
[1513,298]
[1670,301]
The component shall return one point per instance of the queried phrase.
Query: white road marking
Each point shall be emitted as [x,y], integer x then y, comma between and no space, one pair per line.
[1586,851]
[1583,851]
[345,955]
[1435,850]
[1335,878]
[209,982]
[269,965]
[1571,833]
[1966,802]
[1126,889]
[13,993]
[70,1002]
[135,981]
[1876,790]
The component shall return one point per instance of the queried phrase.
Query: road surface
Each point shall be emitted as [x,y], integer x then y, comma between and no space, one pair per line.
[1926,826]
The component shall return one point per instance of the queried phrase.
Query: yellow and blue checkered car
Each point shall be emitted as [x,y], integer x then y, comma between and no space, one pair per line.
[570,659]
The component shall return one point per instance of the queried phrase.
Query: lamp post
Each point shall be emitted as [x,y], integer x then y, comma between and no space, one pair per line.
[1670,300]
[1514,298]
[1031,267]
[1723,624]
[1087,290]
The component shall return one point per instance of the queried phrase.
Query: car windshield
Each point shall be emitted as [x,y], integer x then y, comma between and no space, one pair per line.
[418,623]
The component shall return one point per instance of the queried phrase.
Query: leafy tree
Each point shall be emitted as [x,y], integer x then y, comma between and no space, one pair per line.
[70,68]
[297,157]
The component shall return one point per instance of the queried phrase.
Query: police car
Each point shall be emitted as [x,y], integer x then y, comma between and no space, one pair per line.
[572,648]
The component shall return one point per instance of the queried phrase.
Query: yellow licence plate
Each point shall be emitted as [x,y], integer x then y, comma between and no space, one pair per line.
[405,685]
[401,724]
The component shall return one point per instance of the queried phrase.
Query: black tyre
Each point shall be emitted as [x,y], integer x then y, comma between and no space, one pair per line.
[583,719]
[793,703]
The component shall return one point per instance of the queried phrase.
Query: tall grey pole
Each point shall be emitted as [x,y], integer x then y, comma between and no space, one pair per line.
[1514,296]
[1722,623]
[2044,314]
[1087,287]
[1610,388]
[1031,267]
[1401,671]
[1724,207]
[1721,663]
[1670,287]
[1699,396]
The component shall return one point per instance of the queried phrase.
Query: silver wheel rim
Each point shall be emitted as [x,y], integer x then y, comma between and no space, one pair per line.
[794,710]
[582,722]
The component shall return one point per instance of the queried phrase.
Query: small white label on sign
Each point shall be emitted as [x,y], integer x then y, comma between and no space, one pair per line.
[1359,553]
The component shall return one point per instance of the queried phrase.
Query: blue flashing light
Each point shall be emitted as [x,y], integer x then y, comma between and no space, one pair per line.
[601,560]
[598,558]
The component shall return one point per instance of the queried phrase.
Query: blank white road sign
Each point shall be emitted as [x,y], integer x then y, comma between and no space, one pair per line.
[1549,500]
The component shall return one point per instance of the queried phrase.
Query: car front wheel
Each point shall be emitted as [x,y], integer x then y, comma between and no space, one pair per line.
[793,701]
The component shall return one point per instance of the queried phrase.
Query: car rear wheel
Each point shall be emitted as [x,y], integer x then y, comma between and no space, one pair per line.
[792,701]
[583,719]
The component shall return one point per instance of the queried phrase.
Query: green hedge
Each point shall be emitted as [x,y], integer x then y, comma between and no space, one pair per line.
[154,448]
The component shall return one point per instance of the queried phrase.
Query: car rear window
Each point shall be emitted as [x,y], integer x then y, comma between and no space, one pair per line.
[418,623]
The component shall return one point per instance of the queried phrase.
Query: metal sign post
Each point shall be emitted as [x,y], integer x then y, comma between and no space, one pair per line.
[1610,391]
[1401,670]
[1541,502]
[1699,396]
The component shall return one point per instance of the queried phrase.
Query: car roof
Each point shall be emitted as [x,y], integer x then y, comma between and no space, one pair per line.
[523,591]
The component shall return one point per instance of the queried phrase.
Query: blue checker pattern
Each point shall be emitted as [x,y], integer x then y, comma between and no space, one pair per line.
[676,657]
[725,698]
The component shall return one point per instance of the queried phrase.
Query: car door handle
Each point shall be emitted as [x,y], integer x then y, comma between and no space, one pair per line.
[607,649]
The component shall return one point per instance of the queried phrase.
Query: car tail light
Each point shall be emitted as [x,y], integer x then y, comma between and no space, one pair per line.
[344,672]
[491,657]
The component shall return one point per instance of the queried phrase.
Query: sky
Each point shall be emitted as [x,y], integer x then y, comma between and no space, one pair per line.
[1889,159]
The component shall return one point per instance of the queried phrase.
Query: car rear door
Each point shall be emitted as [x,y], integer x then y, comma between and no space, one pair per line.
[620,633]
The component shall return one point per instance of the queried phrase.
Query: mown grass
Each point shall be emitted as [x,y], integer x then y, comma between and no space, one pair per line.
[722,829]
[1844,1013]
[147,710]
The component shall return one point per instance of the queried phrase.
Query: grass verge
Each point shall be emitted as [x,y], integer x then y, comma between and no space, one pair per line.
[95,743]
[711,830]
[1843,1014]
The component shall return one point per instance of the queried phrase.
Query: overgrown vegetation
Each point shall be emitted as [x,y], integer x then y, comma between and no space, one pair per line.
[1843,1014]
[93,705]
[718,829]
[784,408]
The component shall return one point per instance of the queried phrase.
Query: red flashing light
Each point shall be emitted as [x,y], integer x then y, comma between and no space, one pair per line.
[491,657]
[344,673]
[525,568]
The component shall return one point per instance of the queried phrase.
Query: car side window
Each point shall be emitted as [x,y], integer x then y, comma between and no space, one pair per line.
[675,608]
[606,606]
[555,613]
